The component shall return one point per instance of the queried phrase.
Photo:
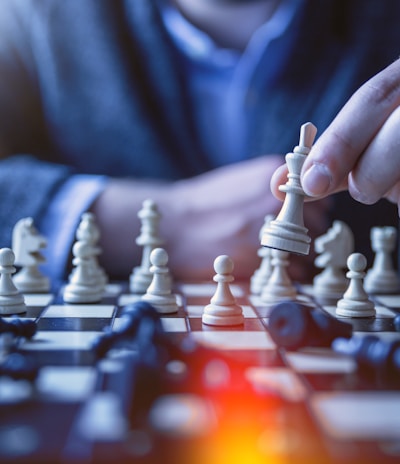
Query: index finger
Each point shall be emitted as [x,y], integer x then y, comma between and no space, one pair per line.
[337,151]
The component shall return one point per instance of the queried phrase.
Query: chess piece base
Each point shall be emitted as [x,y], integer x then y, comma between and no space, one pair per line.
[164,304]
[353,308]
[80,294]
[220,315]
[12,309]
[287,237]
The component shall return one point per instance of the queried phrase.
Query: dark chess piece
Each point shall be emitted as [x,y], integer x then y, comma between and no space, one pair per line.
[26,328]
[141,380]
[375,357]
[19,367]
[293,325]
[139,320]
[396,323]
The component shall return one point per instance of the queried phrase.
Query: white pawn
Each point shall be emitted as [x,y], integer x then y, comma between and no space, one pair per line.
[223,309]
[355,301]
[11,300]
[279,286]
[149,239]
[382,277]
[261,276]
[83,286]
[159,293]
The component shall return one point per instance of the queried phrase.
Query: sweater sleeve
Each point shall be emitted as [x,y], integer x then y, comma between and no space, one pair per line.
[53,196]
[26,188]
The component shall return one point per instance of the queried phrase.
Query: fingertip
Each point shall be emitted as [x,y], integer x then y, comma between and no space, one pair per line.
[362,196]
[279,177]
[316,180]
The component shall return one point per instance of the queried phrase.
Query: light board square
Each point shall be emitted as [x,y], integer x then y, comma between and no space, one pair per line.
[235,340]
[359,415]
[281,380]
[38,299]
[320,360]
[60,340]
[78,310]
[69,383]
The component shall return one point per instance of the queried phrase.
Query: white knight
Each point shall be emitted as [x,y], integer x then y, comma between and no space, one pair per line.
[27,245]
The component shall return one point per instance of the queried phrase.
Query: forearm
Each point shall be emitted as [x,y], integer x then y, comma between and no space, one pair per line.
[220,212]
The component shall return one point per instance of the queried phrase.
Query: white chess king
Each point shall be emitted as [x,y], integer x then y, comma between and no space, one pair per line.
[287,231]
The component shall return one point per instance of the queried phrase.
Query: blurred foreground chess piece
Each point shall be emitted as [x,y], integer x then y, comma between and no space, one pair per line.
[287,231]
[376,358]
[293,326]
[18,327]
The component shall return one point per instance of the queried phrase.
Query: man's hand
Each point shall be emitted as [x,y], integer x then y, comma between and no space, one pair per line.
[360,150]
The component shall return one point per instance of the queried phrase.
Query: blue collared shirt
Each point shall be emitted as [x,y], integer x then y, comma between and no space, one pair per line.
[224,83]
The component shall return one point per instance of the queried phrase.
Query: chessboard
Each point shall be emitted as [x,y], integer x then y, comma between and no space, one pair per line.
[175,390]
[155,371]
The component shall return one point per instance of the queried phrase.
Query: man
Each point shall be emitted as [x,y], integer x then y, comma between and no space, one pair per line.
[118,101]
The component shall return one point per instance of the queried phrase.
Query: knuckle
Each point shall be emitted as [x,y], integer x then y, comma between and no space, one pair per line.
[384,88]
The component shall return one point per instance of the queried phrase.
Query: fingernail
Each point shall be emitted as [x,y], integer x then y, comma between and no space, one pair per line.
[316,180]
[362,197]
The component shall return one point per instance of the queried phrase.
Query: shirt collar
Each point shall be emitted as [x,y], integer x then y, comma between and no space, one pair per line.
[197,45]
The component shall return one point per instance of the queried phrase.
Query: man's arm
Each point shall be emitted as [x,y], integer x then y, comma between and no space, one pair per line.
[220,212]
